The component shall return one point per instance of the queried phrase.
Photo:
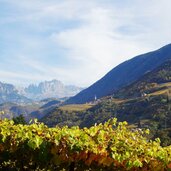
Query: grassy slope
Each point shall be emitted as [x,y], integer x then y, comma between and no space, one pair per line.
[75,107]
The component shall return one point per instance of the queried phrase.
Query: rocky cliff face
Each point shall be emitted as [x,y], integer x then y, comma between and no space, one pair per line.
[8,93]
[48,89]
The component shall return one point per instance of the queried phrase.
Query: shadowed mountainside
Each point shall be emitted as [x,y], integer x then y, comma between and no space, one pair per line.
[123,74]
[146,103]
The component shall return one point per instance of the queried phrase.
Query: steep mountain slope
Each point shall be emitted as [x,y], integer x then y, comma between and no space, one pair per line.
[150,110]
[147,98]
[154,82]
[49,89]
[123,74]
[8,93]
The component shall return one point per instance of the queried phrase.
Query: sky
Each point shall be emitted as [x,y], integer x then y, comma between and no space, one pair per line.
[77,41]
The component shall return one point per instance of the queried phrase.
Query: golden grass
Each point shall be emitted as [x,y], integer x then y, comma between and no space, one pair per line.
[118,101]
[156,93]
[76,107]
[165,84]
[164,91]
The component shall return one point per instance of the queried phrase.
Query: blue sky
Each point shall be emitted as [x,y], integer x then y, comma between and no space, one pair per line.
[77,41]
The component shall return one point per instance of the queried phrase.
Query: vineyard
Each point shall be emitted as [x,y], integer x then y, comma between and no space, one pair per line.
[111,146]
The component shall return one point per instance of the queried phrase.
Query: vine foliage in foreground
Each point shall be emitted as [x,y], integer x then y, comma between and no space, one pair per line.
[109,146]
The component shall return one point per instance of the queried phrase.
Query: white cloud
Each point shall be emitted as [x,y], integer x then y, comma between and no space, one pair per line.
[34,71]
[96,45]
[93,35]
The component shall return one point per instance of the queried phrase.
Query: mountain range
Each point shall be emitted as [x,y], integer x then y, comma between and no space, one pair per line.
[144,103]
[46,89]
[50,89]
[123,74]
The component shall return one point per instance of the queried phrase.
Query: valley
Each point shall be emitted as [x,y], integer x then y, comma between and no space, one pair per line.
[33,101]
[143,101]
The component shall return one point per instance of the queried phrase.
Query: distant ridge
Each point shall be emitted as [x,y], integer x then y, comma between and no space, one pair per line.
[47,89]
[50,89]
[8,93]
[123,75]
